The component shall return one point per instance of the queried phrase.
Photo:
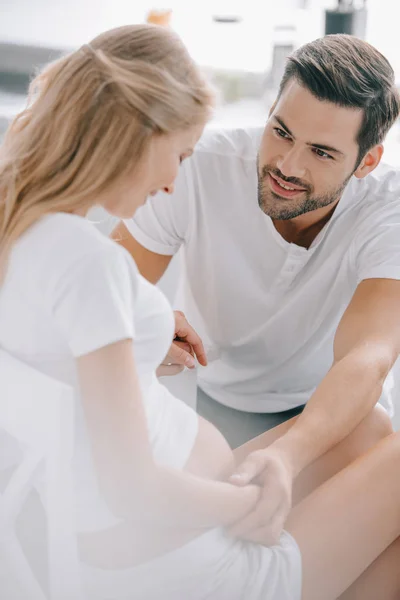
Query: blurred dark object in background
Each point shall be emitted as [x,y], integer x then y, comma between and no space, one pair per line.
[347,18]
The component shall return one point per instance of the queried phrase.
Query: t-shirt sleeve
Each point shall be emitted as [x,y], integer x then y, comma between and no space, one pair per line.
[377,249]
[163,223]
[93,301]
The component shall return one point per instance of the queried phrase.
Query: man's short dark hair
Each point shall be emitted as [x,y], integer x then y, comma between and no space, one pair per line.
[349,72]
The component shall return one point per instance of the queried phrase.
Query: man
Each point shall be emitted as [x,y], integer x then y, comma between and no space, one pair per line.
[299,302]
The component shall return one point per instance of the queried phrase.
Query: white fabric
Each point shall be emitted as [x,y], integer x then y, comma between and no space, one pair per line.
[211,567]
[70,290]
[38,411]
[267,309]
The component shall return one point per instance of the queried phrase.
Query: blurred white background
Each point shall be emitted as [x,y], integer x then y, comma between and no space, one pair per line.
[243,56]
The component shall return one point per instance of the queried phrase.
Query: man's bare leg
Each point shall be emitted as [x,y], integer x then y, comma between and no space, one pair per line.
[347,530]
[381,580]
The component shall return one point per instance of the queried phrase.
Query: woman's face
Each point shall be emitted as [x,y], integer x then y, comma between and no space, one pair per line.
[156,172]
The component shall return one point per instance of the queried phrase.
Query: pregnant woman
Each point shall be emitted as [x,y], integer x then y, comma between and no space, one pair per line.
[108,125]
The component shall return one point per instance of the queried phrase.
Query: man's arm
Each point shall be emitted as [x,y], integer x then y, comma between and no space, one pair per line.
[151,265]
[366,345]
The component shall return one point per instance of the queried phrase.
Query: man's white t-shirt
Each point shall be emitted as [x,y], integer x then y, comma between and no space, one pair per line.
[266,309]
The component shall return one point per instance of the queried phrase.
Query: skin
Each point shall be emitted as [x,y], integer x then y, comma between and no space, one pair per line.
[339,484]
[165,151]
[311,145]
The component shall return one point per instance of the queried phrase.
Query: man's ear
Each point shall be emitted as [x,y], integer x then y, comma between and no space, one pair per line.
[370,161]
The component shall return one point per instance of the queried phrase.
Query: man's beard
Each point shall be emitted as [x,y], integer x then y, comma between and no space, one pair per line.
[282,209]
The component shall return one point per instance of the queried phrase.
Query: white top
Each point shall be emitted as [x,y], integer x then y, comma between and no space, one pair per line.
[68,291]
[266,308]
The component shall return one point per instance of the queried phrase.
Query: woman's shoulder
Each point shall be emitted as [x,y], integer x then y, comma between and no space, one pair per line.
[61,230]
[67,239]
[63,247]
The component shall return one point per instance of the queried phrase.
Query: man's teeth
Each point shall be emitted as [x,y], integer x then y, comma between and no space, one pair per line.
[286,187]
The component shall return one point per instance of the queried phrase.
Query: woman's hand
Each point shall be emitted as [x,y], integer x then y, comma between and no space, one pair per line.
[187,345]
[272,471]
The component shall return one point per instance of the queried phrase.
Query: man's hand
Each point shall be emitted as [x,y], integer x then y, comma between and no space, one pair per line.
[187,345]
[270,469]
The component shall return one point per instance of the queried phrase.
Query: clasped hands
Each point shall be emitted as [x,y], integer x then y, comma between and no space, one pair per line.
[271,470]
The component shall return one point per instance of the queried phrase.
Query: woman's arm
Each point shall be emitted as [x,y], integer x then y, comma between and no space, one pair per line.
[132,484]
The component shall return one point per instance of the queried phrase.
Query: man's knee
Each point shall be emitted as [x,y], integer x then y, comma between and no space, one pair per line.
[376,426]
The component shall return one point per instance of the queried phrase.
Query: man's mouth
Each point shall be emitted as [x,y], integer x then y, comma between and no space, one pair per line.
[282,188]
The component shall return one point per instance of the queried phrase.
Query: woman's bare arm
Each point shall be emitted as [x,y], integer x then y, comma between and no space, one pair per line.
[132,484]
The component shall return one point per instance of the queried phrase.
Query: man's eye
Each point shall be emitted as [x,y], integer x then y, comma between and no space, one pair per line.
[322,153]
[281,133]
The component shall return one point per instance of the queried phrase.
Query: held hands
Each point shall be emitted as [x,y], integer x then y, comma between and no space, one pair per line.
[271,470]
[187,345]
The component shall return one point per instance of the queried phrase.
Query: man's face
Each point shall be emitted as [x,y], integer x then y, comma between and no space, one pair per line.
[308,146]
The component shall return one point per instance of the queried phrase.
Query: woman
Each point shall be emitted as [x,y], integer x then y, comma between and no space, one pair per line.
[108,125]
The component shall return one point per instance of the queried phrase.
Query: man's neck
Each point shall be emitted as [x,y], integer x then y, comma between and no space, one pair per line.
[303,230]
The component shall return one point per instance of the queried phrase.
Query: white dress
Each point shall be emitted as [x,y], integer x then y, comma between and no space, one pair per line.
[68,291]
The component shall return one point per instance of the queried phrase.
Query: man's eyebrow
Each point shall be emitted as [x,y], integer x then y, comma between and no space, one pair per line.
[282,124]
[312,144]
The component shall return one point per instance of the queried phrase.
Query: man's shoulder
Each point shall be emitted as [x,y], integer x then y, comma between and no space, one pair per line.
[383,182]
[378,193]
[373,202]
[238,142]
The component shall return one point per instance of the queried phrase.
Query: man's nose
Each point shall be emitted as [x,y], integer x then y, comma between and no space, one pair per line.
[291,164]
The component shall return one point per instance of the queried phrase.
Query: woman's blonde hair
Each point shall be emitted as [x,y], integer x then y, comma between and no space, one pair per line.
[89,119]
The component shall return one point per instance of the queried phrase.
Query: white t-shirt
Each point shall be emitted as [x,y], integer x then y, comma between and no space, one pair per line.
[70,290]
[267,309]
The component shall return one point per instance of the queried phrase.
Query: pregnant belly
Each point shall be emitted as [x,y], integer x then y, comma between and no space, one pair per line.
[118,547]
[211,457]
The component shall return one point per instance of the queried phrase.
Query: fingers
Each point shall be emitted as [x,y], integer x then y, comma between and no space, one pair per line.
[169,370]
[243,527]
[268,535]
[262,526]
[179,354]
[175,361]
[183,345]
[250,468]
[185,332]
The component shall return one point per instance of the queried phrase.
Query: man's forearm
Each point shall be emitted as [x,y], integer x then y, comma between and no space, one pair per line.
[342,400]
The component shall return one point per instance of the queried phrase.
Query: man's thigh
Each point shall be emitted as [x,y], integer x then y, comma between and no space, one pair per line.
[237,426]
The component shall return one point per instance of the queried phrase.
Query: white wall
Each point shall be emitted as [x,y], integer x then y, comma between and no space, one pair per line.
[65,23]
[247,45]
